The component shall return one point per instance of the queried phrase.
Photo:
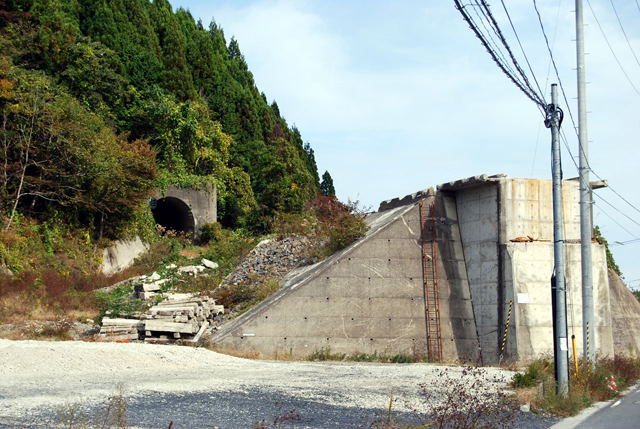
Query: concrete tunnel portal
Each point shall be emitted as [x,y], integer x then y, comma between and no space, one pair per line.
[184,209]
[173,214]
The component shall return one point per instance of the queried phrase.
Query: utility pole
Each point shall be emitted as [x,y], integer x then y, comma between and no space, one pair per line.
[588,328]
[560,344]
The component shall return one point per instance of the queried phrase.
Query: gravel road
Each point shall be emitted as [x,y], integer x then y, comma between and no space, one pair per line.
[198,388]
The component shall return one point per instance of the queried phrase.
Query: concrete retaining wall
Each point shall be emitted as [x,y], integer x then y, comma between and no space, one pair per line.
[368,298]
[494,250]
[121,255]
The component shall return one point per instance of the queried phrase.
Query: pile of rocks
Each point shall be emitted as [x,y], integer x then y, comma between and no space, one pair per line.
[270,258]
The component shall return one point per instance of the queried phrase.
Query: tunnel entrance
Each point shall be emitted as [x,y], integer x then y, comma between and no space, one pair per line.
[173,214]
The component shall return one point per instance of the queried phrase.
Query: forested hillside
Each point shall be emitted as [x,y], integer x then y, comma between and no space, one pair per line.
[103,101]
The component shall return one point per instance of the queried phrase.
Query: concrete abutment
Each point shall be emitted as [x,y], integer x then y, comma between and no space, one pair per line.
[494,252]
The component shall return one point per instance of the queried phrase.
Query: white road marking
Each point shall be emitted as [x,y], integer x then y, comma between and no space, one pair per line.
[617,403]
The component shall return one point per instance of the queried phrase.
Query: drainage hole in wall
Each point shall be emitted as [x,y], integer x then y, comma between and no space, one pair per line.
[327,298]
[369,299]
[349,258]
[305,318]
[413,339]
[410,278]
[389,319]
[266,317]
[285,338]
[371,339]
[327,339]
[389,260]
[352,318]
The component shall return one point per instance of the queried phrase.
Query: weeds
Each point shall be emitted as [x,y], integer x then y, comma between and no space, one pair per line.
[245,295]
[585,388]
[325,354]
[117,301]
[112,414]
[468,401]
[279,420]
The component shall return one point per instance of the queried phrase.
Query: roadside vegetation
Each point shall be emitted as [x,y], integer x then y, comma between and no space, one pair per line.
[537,386]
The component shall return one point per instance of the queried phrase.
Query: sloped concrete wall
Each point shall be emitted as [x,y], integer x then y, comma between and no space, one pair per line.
[625,317]
[121,255]
[368,298]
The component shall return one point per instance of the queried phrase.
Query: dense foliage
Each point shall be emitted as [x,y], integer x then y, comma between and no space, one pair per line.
[611,263]
[101,102]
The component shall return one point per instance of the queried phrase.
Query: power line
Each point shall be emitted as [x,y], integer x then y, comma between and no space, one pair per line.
[522,49]
[537,98]
[624,32]
[622,243]
[569,108]
[495,44]
[564,140]
[523,84]
[611,49]
[616,222]
[616,209]
[553,61]
[555,30]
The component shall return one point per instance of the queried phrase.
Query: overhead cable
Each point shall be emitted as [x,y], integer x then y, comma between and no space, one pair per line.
[611,49]
[624,32]
[524,86]
[522,49]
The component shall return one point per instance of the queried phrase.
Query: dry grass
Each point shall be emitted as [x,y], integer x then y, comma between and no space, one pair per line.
[189,253]
[233,351]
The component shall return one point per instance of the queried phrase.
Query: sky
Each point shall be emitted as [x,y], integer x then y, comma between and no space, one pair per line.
[395,97]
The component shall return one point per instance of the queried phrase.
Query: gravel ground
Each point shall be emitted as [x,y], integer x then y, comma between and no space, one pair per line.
[198,388]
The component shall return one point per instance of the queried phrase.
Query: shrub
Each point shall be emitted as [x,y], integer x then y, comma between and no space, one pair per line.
[338,225]
[117,301]
[211,232]
[586,387]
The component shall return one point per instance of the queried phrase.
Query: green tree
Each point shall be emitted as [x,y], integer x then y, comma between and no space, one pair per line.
[57,153]
[326,187]
[175,76]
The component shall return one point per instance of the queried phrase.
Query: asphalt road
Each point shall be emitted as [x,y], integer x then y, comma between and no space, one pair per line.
[623,413]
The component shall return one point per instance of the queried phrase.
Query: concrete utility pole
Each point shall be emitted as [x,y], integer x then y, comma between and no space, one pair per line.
[588,328]
[561,346]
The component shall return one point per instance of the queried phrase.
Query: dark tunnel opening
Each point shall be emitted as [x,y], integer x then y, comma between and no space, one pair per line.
[173,214]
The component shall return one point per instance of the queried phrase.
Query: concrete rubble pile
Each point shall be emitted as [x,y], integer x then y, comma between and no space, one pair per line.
[270,258]
[175,316]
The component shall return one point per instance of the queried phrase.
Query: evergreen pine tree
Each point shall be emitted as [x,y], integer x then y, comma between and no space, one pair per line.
[326,187]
